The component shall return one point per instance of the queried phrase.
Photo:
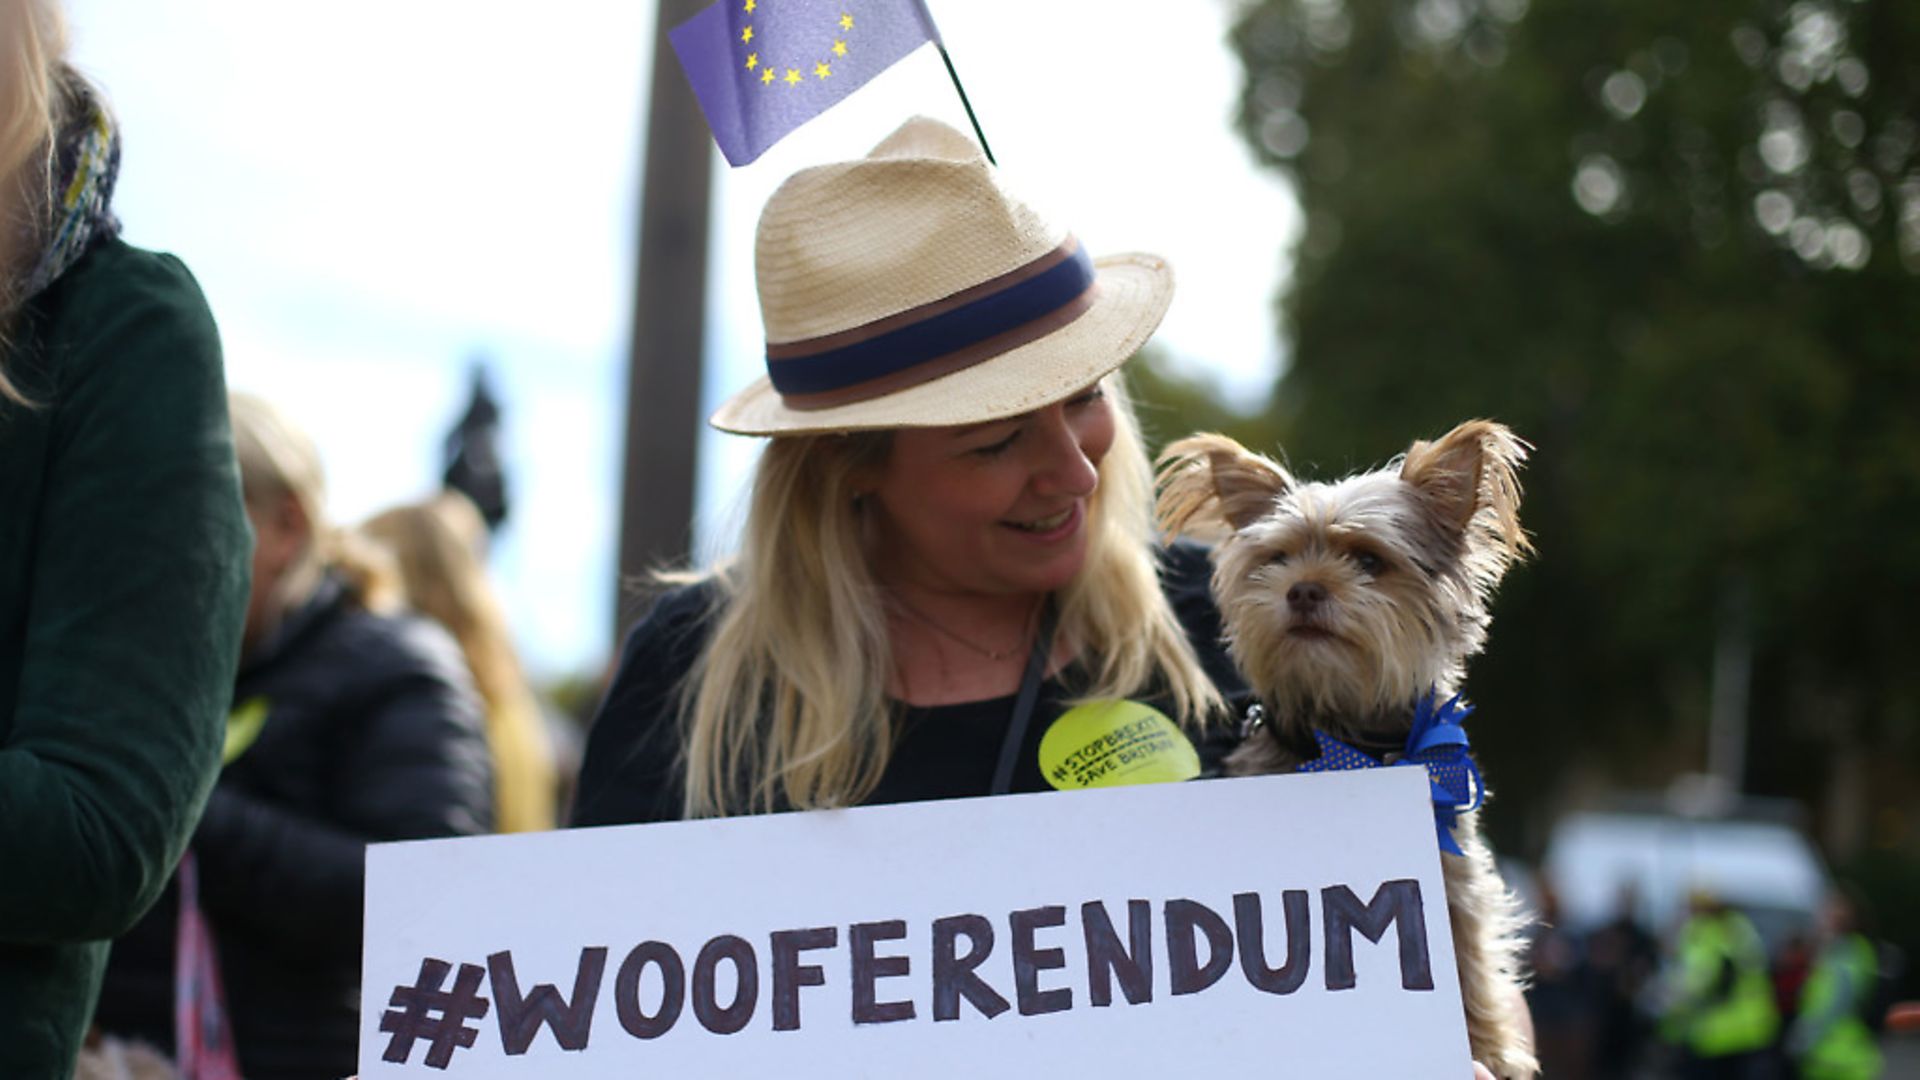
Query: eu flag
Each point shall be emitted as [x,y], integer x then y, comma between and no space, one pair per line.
[761,68]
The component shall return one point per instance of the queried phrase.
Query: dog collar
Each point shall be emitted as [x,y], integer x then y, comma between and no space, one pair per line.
[1437,743]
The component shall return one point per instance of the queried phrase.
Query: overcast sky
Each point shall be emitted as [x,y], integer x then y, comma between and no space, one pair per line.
[372,192]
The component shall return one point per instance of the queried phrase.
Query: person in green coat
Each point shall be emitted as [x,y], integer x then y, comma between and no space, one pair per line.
[124,554]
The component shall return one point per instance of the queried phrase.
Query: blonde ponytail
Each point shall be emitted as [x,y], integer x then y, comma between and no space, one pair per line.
[31,81]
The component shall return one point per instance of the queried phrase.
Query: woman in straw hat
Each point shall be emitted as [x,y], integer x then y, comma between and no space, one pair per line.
[948,583]
[948,551]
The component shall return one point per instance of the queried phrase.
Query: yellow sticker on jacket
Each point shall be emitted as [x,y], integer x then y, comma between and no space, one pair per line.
[1115,744]
[243,726]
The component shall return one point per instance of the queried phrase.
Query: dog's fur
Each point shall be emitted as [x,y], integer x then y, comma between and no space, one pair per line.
[1345,603]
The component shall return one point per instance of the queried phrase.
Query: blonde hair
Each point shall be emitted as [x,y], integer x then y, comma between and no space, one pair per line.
[437,545]
[278,460]
[34,87]
[787,704]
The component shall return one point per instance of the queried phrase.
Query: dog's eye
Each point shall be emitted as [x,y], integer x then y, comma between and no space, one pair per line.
[1370,564]
[1278,558]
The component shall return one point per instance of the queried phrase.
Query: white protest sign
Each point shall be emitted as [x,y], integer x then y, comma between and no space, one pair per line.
[1296,925]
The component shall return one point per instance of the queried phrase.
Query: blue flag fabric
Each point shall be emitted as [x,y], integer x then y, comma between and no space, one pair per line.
[761,68]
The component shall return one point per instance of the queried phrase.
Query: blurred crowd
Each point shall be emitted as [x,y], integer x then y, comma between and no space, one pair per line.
[203,882]
[378,698]
[1709,999]
[401,711]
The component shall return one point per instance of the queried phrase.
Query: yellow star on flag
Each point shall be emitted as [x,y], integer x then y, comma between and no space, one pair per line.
[793,77]
[846,22]
[839,48]
[750,6]
[822,70]
[766,76]
[746,36]
[753,61]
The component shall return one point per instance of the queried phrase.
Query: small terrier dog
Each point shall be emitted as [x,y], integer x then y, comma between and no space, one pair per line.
[1346,604]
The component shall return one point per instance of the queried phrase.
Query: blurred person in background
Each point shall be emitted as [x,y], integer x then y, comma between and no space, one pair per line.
[350,724]
[1624,958]
[1792,964]
[123,552]
[1831,1038]
[439,547]
[1720,1012]
[1563,997]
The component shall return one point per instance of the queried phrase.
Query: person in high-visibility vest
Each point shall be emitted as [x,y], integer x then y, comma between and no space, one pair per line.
[1831,1040]
[1721,1012]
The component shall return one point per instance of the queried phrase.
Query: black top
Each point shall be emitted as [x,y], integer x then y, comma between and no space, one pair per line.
[371,732]
[632,769]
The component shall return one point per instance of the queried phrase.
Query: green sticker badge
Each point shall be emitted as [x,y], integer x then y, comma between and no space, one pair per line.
[243,726]
[1115,744]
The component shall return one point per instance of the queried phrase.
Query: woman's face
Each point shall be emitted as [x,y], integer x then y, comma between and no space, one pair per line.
[998,508]
[280,535]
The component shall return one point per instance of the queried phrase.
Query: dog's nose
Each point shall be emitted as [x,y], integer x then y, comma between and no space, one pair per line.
[1306,595]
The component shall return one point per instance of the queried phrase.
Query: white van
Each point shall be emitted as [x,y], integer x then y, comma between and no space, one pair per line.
[1766,868]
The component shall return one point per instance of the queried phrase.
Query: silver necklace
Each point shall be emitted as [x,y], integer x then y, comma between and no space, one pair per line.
[992,654]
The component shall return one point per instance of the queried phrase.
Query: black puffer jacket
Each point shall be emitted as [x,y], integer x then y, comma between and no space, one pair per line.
[371,732]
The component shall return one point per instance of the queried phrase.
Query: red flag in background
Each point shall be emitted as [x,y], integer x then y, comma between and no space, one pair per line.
[202,1035]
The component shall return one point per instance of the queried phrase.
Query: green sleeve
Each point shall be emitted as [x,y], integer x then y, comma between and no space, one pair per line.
[136,605]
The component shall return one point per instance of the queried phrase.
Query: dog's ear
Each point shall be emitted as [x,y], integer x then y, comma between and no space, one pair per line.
[1209,481]
[1469,482]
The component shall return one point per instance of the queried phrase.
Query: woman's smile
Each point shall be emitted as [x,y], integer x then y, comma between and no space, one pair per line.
[1053,528]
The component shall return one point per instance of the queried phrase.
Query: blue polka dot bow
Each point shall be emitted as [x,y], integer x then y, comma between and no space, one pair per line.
[1438,743]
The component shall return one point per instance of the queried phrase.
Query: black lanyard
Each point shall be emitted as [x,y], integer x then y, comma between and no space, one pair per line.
[1022,717]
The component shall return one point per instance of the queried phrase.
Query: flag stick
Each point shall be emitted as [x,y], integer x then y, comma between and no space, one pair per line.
[933,29]
[968,105]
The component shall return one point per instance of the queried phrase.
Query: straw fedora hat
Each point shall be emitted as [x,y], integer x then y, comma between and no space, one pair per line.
[908,289]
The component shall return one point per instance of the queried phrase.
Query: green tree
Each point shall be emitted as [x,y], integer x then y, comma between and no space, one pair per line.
[1677,246]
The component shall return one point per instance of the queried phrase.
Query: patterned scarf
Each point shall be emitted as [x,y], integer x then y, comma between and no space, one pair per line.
[86,162]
